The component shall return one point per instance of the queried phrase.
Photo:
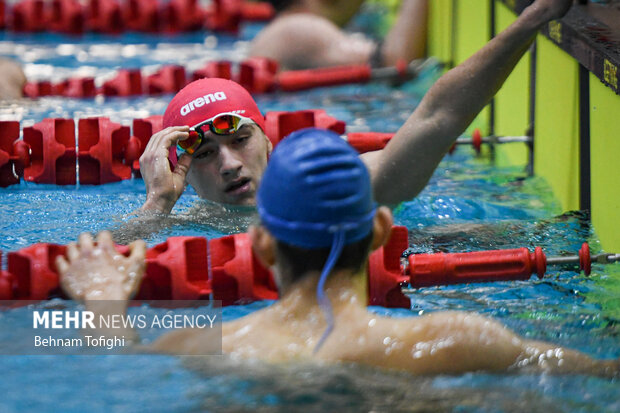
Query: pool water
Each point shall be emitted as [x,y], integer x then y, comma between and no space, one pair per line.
[468,205]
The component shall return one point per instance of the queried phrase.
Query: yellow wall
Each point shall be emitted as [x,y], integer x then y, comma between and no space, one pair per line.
[557,122]
[440,30]
[605,166]
[472,27]
[512,102]
[472,32]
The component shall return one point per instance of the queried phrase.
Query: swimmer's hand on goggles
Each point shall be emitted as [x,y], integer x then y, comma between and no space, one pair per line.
[222,124]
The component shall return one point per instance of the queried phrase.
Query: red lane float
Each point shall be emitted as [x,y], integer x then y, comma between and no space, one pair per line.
[101,153]
[295,80]
[6,283]
[52,152]
[38,89]
[459,268]
[280,124]
[190,268]
[67,16]
[226,269]
[125,83]
[76,88]
[221,69]
[257,11]
[110,16]
[2,15]
[142,15]
[224,15]
[28,16]
[386,276]
[176,270]
[184,15]
[14,156]
[33,270]
[585,262]
[105,16]
[106,151]
[143,129]
[237,274]
[257,74]
[168,79]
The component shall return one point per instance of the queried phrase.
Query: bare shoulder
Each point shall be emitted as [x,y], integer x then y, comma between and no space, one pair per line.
[187,342]
[12,80]
[297,25]
[445,342]
[297,41]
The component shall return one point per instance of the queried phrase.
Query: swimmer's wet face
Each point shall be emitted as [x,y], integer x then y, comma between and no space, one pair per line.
[228,168]
[228,162]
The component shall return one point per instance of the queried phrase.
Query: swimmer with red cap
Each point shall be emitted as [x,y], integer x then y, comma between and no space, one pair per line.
[219,133]
[317,229]
[222,150]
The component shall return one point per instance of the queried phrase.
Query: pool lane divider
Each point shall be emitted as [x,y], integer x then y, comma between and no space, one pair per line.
[178,269]
[110,152]
[114,17]
[107,151]
[256,74]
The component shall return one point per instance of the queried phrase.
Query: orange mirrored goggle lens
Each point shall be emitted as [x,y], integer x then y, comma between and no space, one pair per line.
[221,125]
[225,124]
[192,143]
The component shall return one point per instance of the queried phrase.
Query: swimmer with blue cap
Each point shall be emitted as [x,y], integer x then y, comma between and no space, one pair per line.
[319,223]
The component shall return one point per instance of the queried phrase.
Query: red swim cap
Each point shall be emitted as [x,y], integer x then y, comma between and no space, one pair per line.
[206,98]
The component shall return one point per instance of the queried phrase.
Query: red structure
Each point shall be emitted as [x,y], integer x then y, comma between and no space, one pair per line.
[52,152]
[102,146]
[177,270]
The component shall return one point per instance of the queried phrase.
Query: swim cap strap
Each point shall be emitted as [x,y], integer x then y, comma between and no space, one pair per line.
[324,303]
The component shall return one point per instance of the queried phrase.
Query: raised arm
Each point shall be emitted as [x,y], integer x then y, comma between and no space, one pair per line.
[403,168]
[406,40]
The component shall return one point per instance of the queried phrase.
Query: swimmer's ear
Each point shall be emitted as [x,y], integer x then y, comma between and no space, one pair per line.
[269,146]
[263,244]
[382,227]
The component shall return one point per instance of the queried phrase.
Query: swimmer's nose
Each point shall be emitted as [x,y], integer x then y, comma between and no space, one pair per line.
[230,164]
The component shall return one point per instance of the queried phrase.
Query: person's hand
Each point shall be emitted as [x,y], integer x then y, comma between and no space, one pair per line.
[99,272]
[552,9]
[164,186]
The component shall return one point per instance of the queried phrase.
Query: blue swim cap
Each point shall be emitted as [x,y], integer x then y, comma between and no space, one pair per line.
[315,185]
[316,193]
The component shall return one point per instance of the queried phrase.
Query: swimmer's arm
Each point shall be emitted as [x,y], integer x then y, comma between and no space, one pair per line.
[406,40]
[456,342]
[408,161]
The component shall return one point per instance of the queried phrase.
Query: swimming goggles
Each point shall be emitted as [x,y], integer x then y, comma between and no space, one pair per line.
[221,124]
